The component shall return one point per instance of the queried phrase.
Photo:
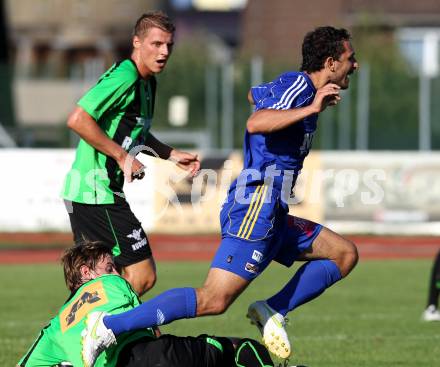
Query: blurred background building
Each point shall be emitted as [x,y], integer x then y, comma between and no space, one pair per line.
[53,50]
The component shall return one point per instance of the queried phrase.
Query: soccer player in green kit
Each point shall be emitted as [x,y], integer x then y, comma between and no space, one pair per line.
[113,120]
[91,276]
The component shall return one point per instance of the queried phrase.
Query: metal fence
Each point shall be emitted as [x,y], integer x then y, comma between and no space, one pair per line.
[387,107]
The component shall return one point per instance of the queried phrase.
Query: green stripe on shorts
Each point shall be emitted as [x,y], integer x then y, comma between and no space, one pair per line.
[116,250]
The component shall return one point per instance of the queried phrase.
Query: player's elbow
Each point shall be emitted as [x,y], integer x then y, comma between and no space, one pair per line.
[258,123]
[252,125]
[73,121]
[78,120]
[250,98]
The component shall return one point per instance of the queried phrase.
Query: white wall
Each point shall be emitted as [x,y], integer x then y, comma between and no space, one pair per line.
[370,192]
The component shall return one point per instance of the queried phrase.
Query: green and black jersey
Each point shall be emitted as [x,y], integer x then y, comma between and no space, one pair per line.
[122,104]
[60,341]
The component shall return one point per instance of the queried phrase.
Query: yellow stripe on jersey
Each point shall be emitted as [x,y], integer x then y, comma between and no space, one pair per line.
[258,212]
[251,205]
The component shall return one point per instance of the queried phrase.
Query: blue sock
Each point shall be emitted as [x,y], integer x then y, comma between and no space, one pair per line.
[311,279]
[174,304]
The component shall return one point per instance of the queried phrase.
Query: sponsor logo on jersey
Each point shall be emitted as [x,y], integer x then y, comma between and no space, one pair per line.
[257,256]
[251,268]
[126,144]
[137,236]
[90,297]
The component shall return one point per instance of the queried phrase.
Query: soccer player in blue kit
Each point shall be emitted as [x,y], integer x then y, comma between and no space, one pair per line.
[256,226]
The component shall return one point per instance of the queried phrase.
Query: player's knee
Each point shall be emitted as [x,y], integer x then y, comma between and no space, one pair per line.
[148,282]
[348,257]
[218,306]
[141,284]
[211,303]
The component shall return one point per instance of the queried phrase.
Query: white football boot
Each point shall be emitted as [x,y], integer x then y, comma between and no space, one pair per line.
[271,325]
[95,338]
[431,314]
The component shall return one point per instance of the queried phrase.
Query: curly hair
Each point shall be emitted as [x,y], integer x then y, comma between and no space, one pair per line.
[321,43]
[87,253]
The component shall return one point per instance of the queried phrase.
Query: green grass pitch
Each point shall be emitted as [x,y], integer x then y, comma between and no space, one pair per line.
[372,318]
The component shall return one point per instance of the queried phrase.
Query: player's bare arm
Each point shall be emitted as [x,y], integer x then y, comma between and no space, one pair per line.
[187,161]
[87,128]
[270,120]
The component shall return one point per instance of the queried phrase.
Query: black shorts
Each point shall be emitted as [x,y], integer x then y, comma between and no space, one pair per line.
[175,351]
[113,224]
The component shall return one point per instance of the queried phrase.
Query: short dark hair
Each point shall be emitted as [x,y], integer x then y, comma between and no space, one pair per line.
[321,43]
[154,19]
[84,253]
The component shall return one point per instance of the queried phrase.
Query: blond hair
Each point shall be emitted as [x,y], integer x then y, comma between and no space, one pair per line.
[154,19]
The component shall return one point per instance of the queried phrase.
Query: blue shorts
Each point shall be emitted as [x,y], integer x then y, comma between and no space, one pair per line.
[258,232]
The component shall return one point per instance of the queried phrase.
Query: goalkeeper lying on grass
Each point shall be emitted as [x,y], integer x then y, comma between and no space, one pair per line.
[91,276]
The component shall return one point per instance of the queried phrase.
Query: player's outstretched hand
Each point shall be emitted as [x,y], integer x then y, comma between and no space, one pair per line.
[328,95]
[187,161]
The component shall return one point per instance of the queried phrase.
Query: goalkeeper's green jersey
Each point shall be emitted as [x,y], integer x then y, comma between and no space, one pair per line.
[60,341]
[122,104]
